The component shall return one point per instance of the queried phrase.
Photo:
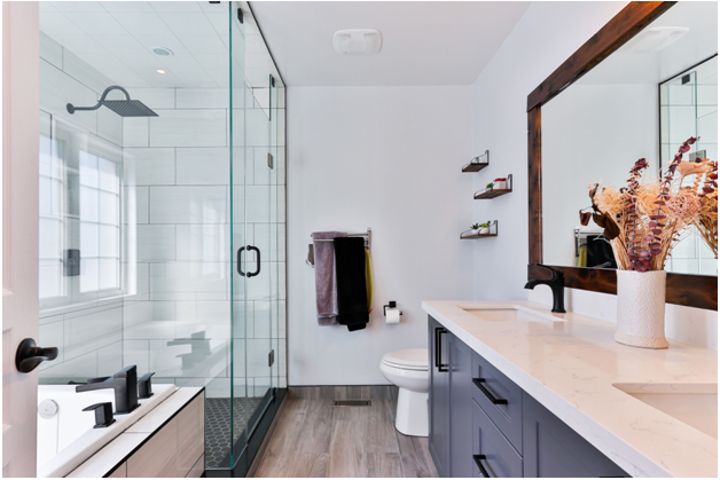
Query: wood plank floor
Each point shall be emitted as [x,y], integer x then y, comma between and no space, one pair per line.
[314,438]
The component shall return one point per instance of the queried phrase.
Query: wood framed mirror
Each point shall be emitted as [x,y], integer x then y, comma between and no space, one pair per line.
[690,289]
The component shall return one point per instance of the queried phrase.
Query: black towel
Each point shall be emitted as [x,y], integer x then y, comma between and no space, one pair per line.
[350,277]
[599,252]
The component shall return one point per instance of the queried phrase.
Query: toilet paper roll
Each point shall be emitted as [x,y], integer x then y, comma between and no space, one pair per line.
[392,315]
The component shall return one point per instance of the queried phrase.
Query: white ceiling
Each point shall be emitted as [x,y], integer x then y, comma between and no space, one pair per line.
[424,43]
[117,39]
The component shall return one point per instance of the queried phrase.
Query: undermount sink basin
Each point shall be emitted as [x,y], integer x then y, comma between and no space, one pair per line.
[511,312]
[694,404]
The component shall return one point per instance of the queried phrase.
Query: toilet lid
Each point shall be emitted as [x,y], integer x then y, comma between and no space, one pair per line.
[409,359]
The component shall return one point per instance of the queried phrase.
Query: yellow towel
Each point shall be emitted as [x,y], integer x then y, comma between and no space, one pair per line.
[368,278]
[582,256]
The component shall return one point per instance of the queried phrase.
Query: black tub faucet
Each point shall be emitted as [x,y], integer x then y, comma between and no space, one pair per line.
[124,383]
[556,281]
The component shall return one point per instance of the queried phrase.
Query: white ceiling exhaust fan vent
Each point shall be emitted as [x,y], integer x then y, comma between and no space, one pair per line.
[357,41]
[654,39]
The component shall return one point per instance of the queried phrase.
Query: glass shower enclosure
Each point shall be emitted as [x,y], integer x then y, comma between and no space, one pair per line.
[688,108]
[162,231]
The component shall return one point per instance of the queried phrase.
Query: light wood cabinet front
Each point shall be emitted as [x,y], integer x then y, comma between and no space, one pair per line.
[176,450]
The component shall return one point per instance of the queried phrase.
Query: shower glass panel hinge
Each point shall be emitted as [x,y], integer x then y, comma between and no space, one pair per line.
[270,161]
[271,358]
[240,16]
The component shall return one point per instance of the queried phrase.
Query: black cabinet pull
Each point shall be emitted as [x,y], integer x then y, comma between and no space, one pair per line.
[485,470]
[481,383]
[438,350]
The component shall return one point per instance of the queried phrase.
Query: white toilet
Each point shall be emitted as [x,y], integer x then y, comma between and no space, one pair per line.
[409,370]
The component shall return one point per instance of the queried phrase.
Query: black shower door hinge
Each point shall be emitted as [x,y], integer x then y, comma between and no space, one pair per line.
[271,358]
[240,16]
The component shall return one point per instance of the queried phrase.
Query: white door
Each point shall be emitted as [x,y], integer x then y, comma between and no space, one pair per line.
[20,135]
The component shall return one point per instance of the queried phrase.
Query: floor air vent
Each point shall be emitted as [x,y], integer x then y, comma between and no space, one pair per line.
[352,403]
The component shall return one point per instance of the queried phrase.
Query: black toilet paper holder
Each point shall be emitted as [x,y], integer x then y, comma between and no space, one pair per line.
[391,304]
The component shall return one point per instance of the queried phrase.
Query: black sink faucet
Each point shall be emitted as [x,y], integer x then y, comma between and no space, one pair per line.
[556,281]
[124,383]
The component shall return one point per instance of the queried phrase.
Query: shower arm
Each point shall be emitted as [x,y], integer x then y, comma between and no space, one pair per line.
[72,108]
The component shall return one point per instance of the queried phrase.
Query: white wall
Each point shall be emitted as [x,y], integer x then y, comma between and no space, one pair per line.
[546,35]
[388,158]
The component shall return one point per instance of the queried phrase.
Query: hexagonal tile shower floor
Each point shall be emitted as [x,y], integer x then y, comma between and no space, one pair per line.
[217,426]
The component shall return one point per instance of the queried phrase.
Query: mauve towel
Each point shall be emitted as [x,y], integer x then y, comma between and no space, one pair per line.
[325,285]
[352,296]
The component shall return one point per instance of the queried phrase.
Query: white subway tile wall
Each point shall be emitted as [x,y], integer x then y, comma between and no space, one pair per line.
[175,316]
[89,336]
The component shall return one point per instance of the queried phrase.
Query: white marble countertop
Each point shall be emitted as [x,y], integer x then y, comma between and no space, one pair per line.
[570,366]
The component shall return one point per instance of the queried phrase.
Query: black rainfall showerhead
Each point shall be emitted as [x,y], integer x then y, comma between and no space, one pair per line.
[124,108]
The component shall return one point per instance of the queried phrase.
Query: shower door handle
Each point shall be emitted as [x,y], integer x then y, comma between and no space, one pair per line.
[239,261]
[257,261]
[240,251]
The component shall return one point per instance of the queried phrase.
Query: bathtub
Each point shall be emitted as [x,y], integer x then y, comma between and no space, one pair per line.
[65,434]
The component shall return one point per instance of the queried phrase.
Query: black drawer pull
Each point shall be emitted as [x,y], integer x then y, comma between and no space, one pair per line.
[441,367]
[485,470]
[492,396]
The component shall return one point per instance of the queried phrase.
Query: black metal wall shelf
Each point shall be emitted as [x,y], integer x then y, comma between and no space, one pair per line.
[492,232]
[478,163]
[495,192]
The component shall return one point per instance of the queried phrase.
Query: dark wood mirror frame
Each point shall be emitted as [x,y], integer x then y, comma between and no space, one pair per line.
[691,290]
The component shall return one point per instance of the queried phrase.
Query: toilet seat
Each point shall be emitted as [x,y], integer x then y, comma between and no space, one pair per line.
[415,359]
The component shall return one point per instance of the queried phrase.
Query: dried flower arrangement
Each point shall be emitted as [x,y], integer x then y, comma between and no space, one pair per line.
[644,221]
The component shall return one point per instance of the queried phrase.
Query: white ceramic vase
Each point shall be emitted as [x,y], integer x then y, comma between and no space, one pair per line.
[641,309]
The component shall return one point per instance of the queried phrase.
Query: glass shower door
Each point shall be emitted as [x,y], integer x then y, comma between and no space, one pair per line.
[250,238]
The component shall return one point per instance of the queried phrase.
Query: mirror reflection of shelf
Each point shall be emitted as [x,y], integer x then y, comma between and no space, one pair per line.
[478,163]
[492,232]
[495,192]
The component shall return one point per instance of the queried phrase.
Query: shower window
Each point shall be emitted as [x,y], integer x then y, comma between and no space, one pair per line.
[80,204]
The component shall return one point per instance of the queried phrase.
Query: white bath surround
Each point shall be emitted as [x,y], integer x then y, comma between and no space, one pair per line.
[571,364]
[68,438]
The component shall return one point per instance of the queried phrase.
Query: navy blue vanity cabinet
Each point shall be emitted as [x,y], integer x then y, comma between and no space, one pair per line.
[484,425]
[500,398]
[461,408]
[492,454]
[439,441]
[552,449]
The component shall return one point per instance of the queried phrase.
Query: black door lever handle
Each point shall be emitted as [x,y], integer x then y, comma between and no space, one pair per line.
[29,355]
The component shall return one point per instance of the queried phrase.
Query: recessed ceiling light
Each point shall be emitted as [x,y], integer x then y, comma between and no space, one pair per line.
[163,51]
[357,41]
[160,71]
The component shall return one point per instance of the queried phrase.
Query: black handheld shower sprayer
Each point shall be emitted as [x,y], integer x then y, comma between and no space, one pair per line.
[124,108]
